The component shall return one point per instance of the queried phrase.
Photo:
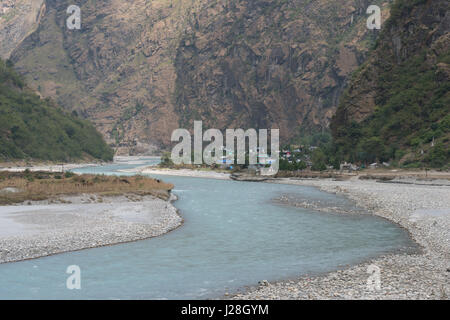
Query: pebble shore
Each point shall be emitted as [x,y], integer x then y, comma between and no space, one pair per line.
[74,223]
[423,210]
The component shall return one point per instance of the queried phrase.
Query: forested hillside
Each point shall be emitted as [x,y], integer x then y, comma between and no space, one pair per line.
[397,106]
[36,129]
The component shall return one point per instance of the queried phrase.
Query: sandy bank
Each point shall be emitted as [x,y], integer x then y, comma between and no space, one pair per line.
[80,222]
[423,210]
[181,173]
[49,168]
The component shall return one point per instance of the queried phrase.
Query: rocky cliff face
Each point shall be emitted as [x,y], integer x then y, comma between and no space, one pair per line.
[116,70]
[279,64]
[140,69]
[397,104]
[18,18]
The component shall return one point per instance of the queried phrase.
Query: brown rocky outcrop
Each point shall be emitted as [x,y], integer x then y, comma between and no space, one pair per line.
[139,69]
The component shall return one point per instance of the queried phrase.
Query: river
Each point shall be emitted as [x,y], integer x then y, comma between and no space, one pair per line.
[234,235]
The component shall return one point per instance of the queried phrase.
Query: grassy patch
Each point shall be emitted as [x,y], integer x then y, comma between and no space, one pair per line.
[46,185]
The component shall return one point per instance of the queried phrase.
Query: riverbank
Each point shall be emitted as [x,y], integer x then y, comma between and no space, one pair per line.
[205,174]
[44,213]
[44,167]
[19,187]
[418,202]
[47,227]
[424,210]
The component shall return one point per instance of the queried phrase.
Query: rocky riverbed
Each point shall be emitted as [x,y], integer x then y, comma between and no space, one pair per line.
[71,223]
[424,210]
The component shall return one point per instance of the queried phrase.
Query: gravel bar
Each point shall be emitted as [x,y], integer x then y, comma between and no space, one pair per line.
[44,228]
[423,210]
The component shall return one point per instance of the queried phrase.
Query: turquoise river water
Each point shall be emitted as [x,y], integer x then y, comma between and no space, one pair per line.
[234,235]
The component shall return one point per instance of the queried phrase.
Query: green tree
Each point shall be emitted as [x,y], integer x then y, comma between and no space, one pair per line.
[318,160]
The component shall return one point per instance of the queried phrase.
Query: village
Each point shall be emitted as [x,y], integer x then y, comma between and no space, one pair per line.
[293,158]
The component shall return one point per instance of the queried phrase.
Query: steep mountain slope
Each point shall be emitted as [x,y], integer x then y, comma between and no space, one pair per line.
[31,128]
[140,69]
[18,18]
[117,70]
[264,64]
[397,105]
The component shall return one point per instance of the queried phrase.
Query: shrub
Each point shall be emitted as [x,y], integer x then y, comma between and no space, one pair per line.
[69,174]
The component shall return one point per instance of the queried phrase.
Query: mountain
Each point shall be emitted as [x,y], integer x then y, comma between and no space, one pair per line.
[18,19]
[265,64]
[397,105]
[140,69]
[32,128]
